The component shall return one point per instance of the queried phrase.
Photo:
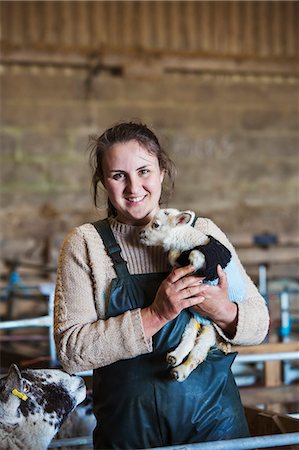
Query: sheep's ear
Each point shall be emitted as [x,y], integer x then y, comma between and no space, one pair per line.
[10,403]
[184,218]
[14,378]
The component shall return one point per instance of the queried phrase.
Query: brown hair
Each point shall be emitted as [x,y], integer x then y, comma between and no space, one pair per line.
[124,132]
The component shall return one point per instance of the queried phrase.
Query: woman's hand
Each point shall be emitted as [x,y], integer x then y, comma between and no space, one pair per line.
[215,304]
[177,292]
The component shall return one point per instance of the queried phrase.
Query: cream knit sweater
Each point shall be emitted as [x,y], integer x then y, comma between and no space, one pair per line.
[85,339]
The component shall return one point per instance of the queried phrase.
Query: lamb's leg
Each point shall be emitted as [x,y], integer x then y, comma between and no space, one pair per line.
[173,256]
[198,354]
[187,343]
[197,259]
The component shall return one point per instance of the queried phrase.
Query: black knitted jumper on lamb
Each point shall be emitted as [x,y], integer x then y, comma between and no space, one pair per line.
[215,253]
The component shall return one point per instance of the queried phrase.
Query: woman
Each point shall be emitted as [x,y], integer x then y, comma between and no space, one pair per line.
[119,309]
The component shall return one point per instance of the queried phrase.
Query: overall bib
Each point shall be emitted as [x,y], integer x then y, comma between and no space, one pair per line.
[136,403]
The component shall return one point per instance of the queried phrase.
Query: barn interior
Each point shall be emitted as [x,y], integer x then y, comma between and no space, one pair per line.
[218,82]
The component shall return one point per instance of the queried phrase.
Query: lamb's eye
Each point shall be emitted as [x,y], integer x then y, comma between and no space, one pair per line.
[155,225]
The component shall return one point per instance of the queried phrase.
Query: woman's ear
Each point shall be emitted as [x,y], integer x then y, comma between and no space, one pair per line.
[162,176]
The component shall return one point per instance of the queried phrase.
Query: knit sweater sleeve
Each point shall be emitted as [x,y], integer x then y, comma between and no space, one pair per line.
[253,315]
[84,341]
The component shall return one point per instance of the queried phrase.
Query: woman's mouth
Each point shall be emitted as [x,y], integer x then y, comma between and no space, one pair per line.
[135,199]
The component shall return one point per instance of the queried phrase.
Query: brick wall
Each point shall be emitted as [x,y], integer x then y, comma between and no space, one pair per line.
[233,135]
[234,141]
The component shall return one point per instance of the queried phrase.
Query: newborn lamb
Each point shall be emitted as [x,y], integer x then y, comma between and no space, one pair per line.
[33,405]
[174,231]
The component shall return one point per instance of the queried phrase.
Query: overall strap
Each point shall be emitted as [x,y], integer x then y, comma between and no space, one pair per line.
[194,221]
[112,247]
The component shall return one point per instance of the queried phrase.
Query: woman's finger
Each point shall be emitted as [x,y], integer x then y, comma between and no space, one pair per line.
[222,276]
[196,291]
[186,282]
[195,280]
[183,277]
[180,272]
[194,302]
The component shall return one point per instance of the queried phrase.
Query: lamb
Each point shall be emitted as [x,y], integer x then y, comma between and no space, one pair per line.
[33,405]
[172,229]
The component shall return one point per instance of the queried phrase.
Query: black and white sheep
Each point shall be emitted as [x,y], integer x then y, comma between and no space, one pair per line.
[80,423]
[33,405]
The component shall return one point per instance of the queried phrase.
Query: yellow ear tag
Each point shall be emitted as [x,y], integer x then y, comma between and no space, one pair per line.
[19,394]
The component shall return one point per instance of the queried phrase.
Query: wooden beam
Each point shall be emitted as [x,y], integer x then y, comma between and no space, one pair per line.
[272,373]
[170,62]
[267,348]
[272,369]
[252,396]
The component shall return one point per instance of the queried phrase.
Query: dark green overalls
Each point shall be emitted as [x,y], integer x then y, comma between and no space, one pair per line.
[136,403]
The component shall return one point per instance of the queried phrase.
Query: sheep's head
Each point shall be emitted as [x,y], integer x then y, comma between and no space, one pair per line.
[165,227]
[35,402]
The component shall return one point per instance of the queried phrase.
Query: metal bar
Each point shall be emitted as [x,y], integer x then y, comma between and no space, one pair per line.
[263,286]
[52,345]
[285,328]
[46,289]
[84,440]
[274,440]
[85,373]
[278,356]
[43,321]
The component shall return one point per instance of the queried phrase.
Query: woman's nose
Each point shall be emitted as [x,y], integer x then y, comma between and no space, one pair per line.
[132,185]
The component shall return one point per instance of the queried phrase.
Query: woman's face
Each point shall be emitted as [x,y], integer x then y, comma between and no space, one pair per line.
[133,180]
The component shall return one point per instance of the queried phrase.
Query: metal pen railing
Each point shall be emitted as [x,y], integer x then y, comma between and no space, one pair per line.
[46,289]
[256,442]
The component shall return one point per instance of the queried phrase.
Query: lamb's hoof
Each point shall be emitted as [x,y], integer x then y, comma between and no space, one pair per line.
[175,375]
[171,359]
[224,347]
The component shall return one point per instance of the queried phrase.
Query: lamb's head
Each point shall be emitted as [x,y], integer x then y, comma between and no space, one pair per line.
[35,402]
[166,228]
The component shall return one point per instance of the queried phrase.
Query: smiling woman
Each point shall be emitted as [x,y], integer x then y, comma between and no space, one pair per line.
[112,149]
[133,180]
[119,307]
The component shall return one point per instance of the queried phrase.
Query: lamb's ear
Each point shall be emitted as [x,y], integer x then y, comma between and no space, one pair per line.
[184,218]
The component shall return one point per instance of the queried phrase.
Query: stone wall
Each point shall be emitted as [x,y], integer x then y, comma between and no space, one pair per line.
[233,135]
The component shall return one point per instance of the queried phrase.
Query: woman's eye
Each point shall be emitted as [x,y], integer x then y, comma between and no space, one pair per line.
[155,225]
[118,176]
[144,171]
